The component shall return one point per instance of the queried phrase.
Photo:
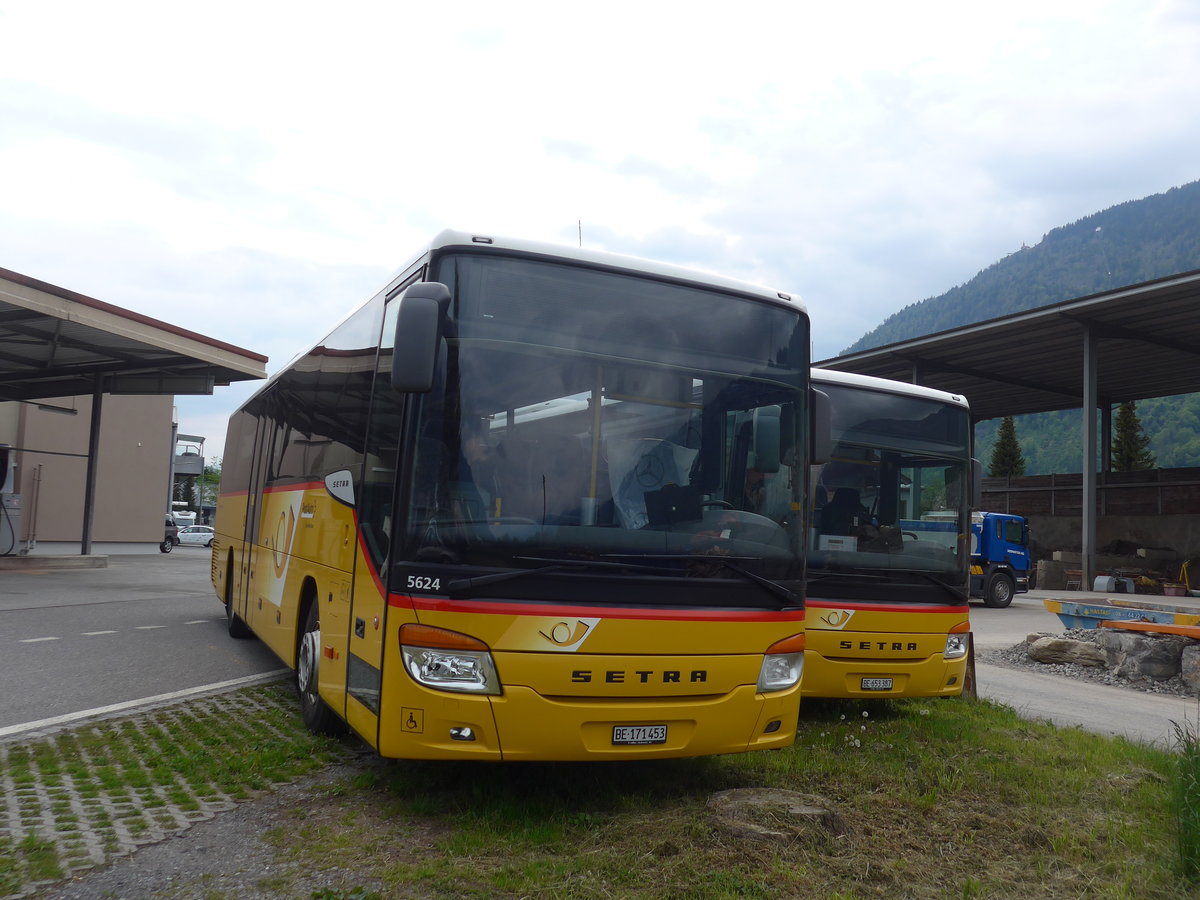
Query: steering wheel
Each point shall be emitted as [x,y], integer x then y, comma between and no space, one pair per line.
[723,504]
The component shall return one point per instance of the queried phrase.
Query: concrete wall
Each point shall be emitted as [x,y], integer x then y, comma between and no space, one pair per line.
[1156,512]
[132,469]
[1178,534]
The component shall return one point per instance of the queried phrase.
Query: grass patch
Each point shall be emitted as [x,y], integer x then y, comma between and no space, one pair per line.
[1186,802]
[112,777]
[935,799]
[945,799]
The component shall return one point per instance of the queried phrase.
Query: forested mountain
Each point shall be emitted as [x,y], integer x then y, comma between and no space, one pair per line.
[1130,243]
[1126,244]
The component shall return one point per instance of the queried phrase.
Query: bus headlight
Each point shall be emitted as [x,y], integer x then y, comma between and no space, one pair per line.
[448,661]
[783,665]
[956,646]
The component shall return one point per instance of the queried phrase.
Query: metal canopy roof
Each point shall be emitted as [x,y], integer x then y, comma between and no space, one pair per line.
[1147,345]
[57,343]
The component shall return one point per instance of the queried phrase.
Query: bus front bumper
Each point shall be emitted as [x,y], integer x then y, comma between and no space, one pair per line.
[523,725]
[835,677]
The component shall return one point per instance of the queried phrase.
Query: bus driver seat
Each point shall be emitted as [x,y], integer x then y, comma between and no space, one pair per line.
[843,513]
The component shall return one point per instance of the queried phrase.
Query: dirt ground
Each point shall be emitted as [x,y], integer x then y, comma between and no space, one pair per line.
[229,857]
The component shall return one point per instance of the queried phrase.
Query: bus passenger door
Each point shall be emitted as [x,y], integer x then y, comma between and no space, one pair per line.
[375,509]
[249,556]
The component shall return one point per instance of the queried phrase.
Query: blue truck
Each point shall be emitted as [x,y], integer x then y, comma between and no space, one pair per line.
[1000,560]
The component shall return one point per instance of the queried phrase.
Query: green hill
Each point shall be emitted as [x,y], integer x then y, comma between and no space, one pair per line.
[1132,242]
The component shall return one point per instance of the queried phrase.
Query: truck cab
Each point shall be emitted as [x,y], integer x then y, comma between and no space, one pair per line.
[1000,559]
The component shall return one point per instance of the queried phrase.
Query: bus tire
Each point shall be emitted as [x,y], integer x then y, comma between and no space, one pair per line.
[234,624]
[318,717]
[999,591]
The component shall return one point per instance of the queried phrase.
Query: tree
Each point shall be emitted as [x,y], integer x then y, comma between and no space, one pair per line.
[1006,452]
[208,485]
[1131,445]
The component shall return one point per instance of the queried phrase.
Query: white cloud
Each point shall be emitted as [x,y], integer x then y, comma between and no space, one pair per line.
[253,170]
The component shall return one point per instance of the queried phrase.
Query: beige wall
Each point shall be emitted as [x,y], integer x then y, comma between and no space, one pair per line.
[132,468]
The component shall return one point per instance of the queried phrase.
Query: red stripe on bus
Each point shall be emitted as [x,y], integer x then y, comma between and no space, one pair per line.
[884,606]
[498,607]
[291,488]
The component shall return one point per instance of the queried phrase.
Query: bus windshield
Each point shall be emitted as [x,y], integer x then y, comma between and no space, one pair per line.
[643,432]
[889,517]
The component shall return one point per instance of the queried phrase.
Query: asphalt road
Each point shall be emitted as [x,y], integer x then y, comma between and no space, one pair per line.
[73,640]
[78,640]
[1116,711]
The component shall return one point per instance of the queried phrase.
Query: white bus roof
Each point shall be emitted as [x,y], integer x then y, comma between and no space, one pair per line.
[452,238]
[870,382]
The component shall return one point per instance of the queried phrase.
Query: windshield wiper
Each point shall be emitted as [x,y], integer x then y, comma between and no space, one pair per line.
[863,576]
[772,587]
[598,564]
[463,585]
[928,576]
[856,575]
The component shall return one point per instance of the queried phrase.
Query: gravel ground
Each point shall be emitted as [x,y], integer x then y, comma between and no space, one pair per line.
[1017,657]
[238,855]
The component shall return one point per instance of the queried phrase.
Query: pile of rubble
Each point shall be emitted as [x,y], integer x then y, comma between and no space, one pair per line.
[1155,663]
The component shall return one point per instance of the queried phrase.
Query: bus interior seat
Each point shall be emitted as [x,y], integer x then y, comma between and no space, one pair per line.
[837,516]
[640,465]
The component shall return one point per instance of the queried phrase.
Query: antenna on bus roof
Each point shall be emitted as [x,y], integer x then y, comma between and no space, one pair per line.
[581,232]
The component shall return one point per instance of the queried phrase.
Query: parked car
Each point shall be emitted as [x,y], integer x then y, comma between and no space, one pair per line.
[196,536]
[170,537]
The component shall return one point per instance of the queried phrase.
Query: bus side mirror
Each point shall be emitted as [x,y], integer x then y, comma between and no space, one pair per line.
[821,428]
[976,484]
[418,335]
[766,439]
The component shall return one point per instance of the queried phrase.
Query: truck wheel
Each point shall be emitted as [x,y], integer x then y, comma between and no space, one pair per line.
[999,591]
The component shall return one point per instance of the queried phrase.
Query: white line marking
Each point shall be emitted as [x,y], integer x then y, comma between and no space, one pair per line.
[145,701]
[94,633]
[38,640]
[147,627]
[202,621]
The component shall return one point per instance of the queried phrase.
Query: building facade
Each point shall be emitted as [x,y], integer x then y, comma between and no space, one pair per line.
[48,457]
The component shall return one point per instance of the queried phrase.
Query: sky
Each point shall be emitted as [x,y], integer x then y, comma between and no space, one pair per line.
[252,171]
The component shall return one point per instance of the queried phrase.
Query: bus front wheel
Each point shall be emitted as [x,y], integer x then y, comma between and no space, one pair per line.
[318,717]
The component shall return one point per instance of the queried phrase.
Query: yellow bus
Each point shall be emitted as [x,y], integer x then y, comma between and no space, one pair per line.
[889,543]
[502,512]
